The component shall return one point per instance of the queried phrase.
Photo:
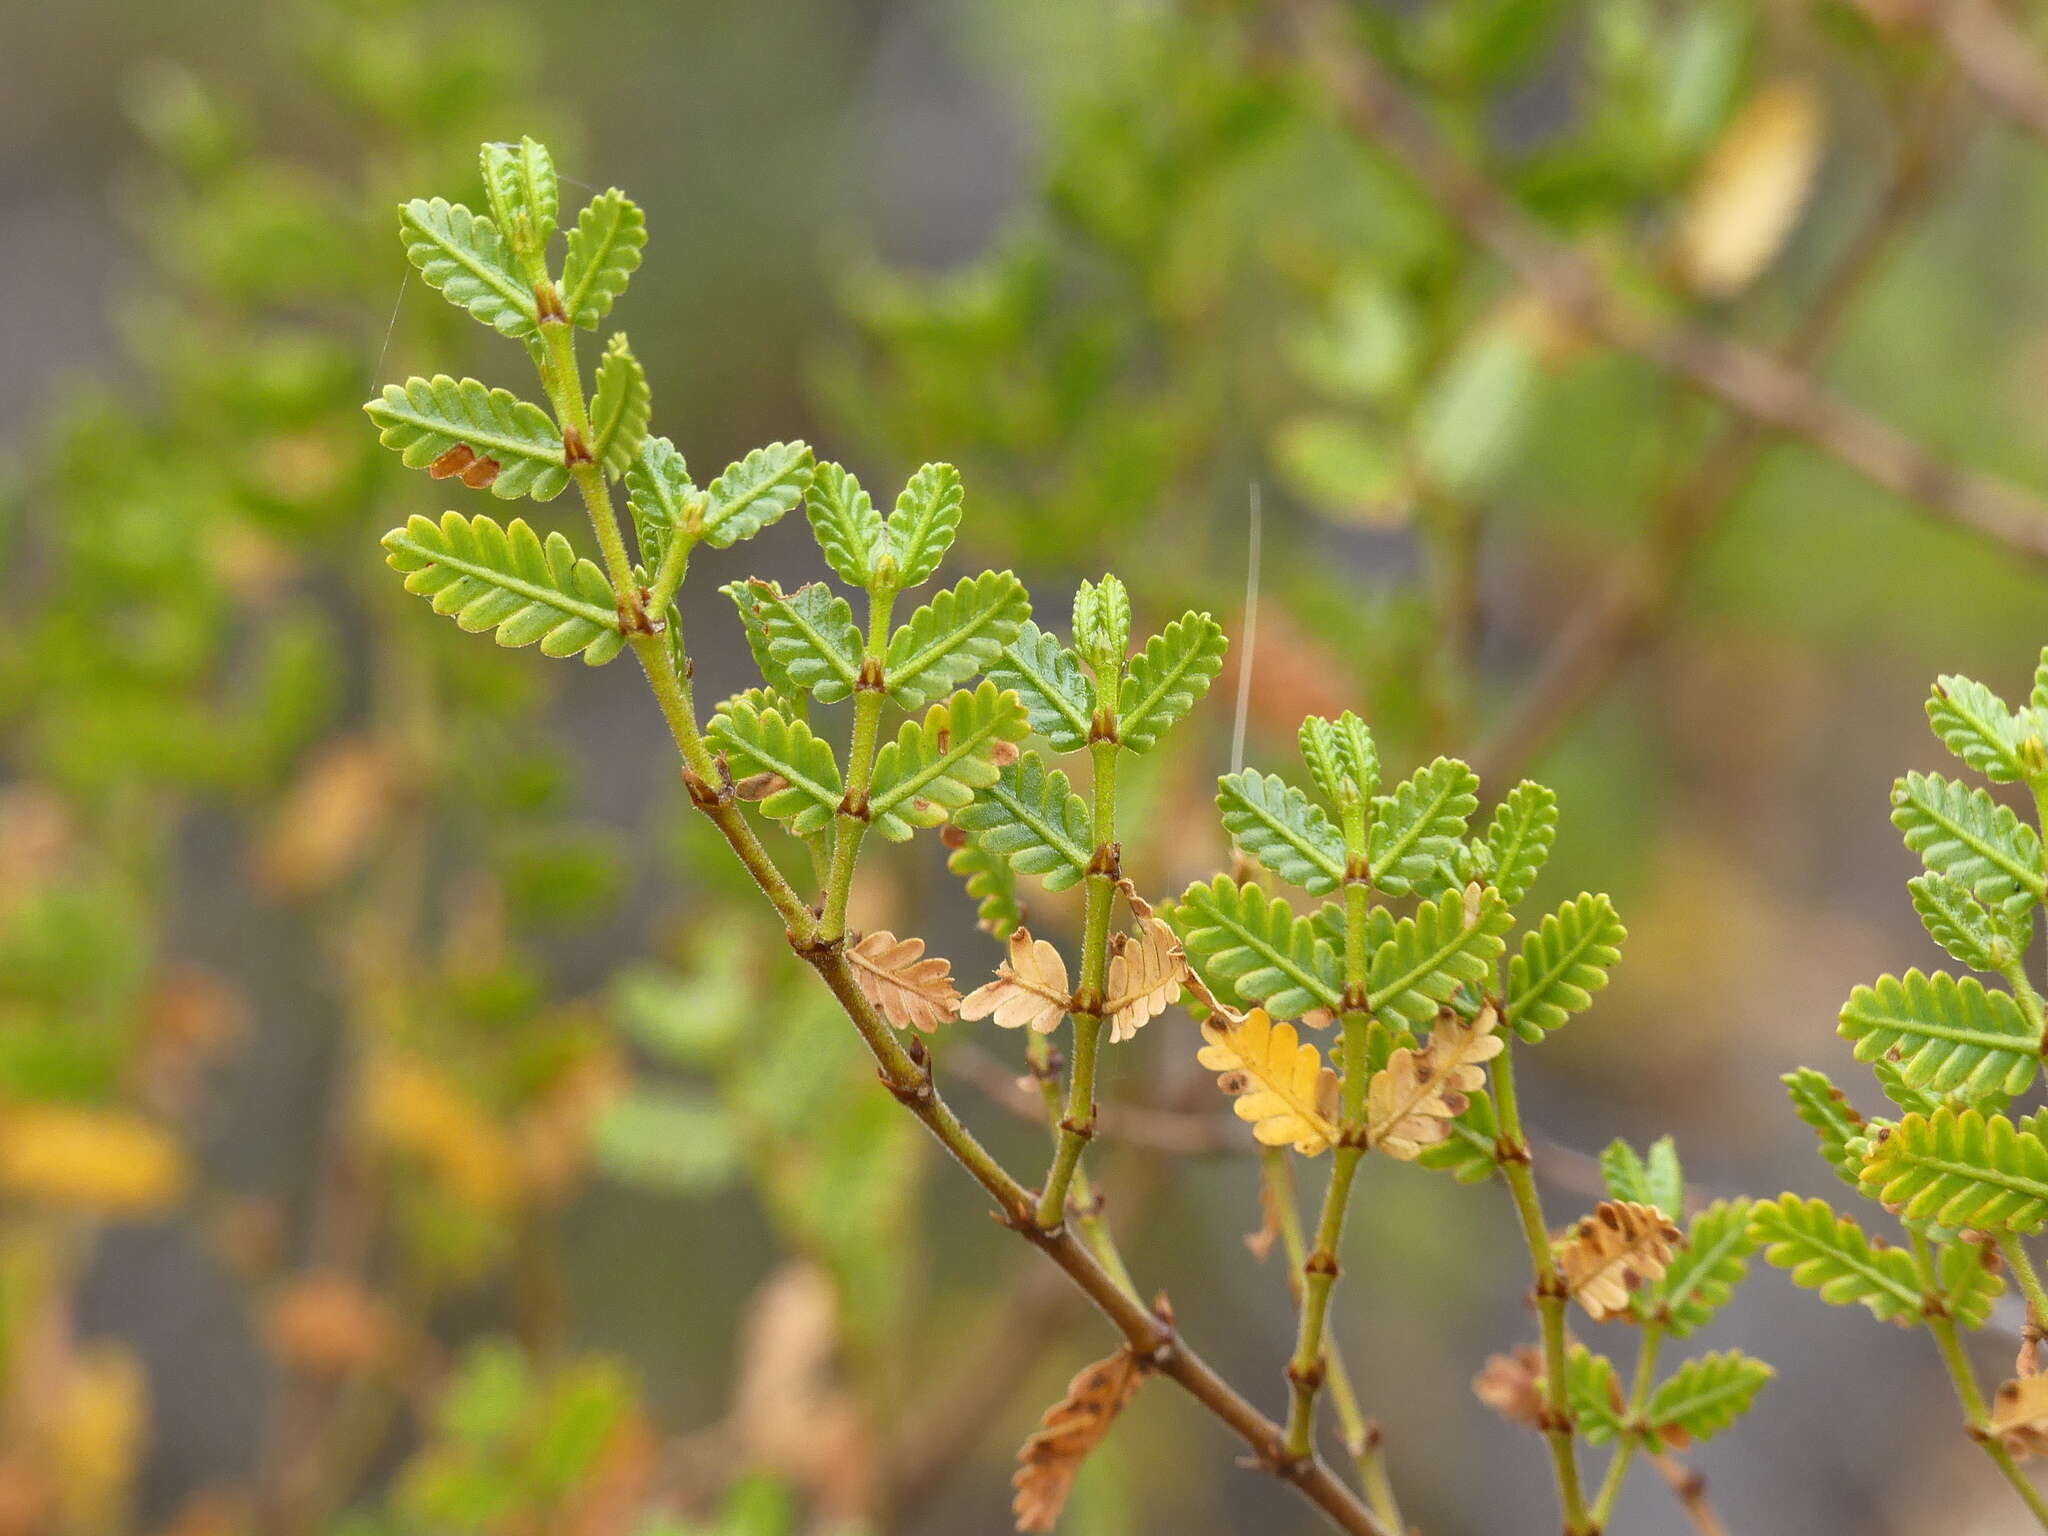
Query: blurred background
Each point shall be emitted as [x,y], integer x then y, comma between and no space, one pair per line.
[438,1152]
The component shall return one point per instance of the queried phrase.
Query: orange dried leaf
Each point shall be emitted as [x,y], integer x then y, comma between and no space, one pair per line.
[1280,1083]
[2019,1415]
[1144,978]
[1030,989]
[1512,1386]
[1613,1253]
[912,989]
[1412,1101]
[1073,1427]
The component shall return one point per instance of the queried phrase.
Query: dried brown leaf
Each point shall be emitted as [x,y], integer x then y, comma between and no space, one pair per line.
[1030,989]
[1073,1427]
[1411,1101]
[912,989]
[1613,1253]
[1280,1083]
[2019,1415]
[1144,978]
[1749,193]
[325,1325]
[1512,1386]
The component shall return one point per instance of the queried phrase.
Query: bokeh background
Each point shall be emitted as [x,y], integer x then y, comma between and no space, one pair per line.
[365,932]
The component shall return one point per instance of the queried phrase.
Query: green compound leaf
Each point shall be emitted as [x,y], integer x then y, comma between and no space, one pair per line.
[794,701]
[934,766]
[1830,1254]
[1704,1396]
[1893,1084]
[1049,679]
[1278,825]
[811,638]
[1961,924]
[1163,681]
[1563,962]
[463,255]
[957,634]
[426,420]
[758,739]
[1341,757]
[1417,829]
[659,495]
[620,409]
[1519,836]
[1447,944]
[604,249]
[1657,1180]
[921,528]
[1958,1168]
[991,882]
[507,580]
[1963,833]
[1703,1275]
[1970,1280]
[1833,1118]
[1974,723]
[846,525]
[1102,623]
[526,198]
[1032,818]
[1944,1035]
[1467,1154]
[755,492]
[1251,946]
[1591,1393]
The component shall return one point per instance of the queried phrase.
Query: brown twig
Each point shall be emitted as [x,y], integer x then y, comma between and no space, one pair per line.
[1747,381]
[1690,1489]
[1625,615]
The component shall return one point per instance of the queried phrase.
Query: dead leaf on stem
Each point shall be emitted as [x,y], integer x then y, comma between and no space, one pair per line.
[1145,972]
[1073,1427]
[1613,1253]
[1412,1101]
[912,989]
[1030,990]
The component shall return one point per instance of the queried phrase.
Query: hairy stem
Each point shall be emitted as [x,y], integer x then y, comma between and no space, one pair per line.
[1638,1402]
[1551,1296]
[1078,1123]
[1976,1414]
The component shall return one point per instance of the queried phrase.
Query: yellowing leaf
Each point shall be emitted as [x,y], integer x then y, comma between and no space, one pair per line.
[109,1161]
[1412,1101]
[910,988]
[1512,1386]
[1750,191]
[2019,1415]
[1145,974]
[1030,989]
[1073,1427]
[1281,1084]
[1613,1253]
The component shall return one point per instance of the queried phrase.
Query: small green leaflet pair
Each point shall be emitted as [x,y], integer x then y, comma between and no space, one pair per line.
[1950,1051]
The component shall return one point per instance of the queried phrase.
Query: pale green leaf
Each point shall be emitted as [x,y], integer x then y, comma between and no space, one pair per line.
[1449,943]
[1518,838]
[1102,623]
[811,638]
[524,193]
[1341,757]
[1251,946]
[934,766]
[1564,961]
[604,249]
[1164,681]
[620,409]
[1944,1034]
[1970,1280]
[660,497]
[1702,1275]
[920,530]
[1830,1254]
[1417,829]
[508,581]
[1833,1118]
[755,492]
[757,739]
[991,880]
[1961,924]
[1974,723]
[1963,833]
[425,419]
[1048,678]
[1960,1168]
[958,633]
[846,525]
[463,255]
[1704,1396]
[1467,1154]
[1278,825]
[1031,817]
